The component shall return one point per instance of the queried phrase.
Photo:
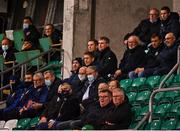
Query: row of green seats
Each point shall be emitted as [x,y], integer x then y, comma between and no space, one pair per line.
[149,83]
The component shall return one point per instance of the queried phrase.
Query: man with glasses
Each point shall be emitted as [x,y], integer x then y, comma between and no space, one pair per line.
[120,116]
[146,28]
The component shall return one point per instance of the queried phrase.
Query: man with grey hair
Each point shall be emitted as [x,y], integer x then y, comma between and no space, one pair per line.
[120,116]
[31,101]
[133,57]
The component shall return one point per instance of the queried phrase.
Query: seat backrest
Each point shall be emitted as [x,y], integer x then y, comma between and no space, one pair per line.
[1,37]
[34,53]
[45,43]
[1,62]
[21,56]
[18,39]
[10,124]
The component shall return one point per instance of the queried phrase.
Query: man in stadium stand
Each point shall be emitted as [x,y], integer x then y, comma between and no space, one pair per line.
[88,95]
[93,47]
[89,59]
[120,116]
[56,37]
[146,28]
[76,65]
[133,57]
[31,101]
[28,80]
[168,23]
[107,59]
[79,81]
[154,49]
[103,86]
[113,84]
[52,82]
[95,116]
[32,35]
[62,107]
[7,51]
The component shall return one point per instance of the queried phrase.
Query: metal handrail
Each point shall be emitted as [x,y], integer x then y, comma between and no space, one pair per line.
[4,87]
[142,121]
[25,62]
[152,96]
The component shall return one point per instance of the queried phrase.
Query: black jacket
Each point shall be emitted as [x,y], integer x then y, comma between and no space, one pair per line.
[120,117]
[53,89]
[132,59]
[170,25]
[107,63]
[62,110]
[145,30]
[32,35]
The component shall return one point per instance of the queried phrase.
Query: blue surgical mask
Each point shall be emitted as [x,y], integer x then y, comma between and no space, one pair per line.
[5,47]
[48,82]
[25,26]
[91,78]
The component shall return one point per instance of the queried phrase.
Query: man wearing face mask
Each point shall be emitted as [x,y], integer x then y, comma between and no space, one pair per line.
[31,35]
[31,101]
[79,80]
[52,82]
[64,106]
[89,93]
[133,57]
[7,51]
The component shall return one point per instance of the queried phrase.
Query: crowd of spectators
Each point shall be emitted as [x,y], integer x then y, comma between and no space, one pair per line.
[92,93]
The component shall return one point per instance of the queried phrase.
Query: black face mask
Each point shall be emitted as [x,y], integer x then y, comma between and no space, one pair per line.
[27,84]
[64,94]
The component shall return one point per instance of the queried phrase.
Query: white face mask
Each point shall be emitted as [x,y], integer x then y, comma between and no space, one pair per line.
[25,26]
[81,77]
[48,82]
[91,78]
[5,47]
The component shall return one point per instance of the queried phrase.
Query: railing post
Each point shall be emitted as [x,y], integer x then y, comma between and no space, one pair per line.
[178,60]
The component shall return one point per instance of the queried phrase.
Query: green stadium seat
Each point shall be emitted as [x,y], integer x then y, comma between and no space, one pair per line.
[169,96]
[133,125]
[34,53]
[154,125]
[21,57]
[161,110]
[34,121]
[45,43]
[18,39]
[168,81]
[87,127]
[158,96]
[23,123]
[174,110]
[132,96]
[169,124]
[1,63]
[178,125]
[143,97]
[125,84]
[1,37]
[142,112]
[136,110]
[176,80]
[153,81]
[138,82]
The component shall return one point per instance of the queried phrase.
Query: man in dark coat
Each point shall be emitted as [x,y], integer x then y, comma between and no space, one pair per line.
[120,116]
[168,23]
[32,35]
[89,93]
[62,107]
[107,59]
[133,57]
[154,49]
[52,82]
[166,59]
[146,27]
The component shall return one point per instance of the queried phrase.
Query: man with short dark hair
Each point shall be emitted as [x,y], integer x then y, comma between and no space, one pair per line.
[32,35]
[52,82]
[168,24]
[107,59]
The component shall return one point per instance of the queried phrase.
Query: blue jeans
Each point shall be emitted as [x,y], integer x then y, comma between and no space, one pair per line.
[133,75]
